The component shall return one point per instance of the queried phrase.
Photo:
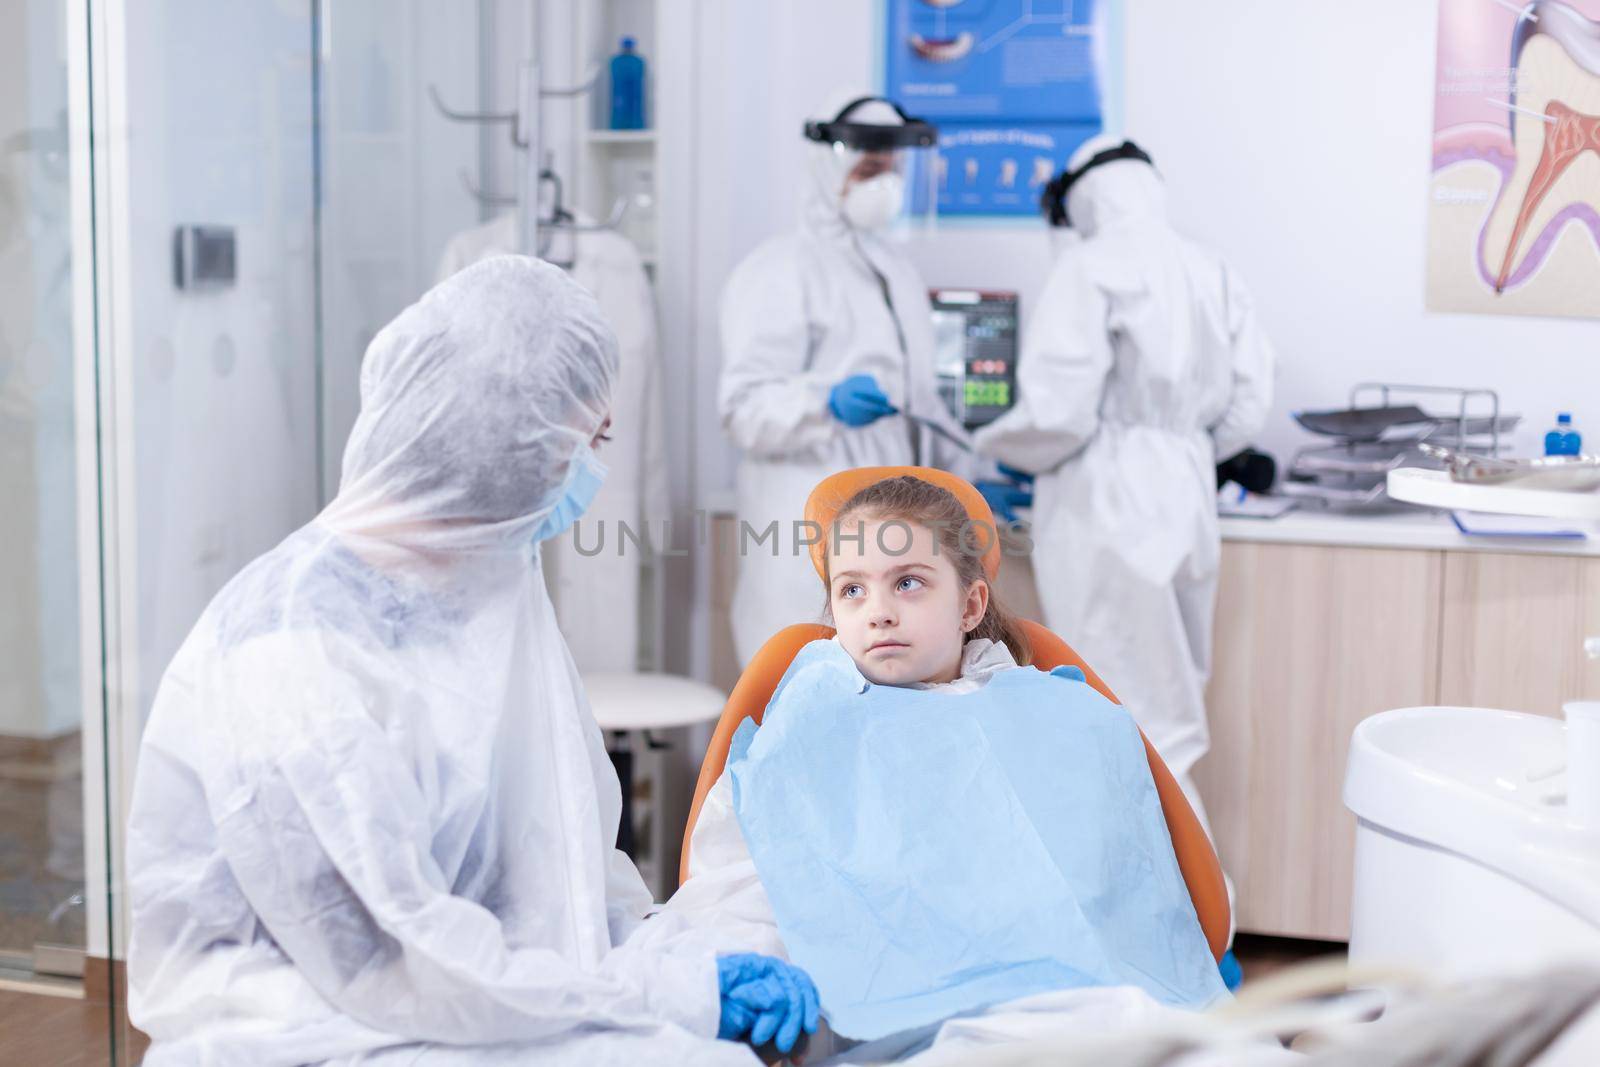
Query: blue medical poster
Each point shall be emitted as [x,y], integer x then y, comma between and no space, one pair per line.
[987,169]
[1015,86]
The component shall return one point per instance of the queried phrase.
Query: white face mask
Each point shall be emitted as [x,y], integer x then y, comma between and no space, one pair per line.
[874,203]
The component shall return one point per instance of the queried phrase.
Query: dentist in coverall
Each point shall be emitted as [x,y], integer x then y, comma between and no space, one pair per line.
[373,818]
[1144,366]
[827,342]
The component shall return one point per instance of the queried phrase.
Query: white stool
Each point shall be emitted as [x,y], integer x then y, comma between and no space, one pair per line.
[626,700]
[630,707]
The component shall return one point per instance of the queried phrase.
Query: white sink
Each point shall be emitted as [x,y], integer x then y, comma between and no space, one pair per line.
[1467,859]
[1474,750]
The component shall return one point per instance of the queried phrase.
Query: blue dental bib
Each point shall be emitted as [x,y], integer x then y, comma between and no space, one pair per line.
[931,853]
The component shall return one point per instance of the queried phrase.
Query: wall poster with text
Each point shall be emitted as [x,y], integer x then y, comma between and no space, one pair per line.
[1015,86]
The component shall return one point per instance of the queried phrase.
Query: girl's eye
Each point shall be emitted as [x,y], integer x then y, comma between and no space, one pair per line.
[850,592]
[908,583]
[604,437]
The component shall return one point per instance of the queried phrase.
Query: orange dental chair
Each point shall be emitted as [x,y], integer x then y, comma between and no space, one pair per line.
[1197,860]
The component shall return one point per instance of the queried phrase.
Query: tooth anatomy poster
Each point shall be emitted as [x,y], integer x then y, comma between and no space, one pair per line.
[1514,211]
[1015,86]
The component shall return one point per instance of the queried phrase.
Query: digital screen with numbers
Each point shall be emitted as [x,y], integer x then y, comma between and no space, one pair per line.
[975,352]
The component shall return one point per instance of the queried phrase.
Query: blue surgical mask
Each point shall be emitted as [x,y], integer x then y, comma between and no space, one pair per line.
[584,476]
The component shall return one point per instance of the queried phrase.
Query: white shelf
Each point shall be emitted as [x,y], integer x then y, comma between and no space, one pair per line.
[621,137]
[1435,489]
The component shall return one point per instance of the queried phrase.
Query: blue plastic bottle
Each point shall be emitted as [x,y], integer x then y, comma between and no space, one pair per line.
[627,88]
[1564,440]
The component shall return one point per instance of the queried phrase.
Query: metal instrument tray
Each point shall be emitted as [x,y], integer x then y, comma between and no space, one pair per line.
[1567,474]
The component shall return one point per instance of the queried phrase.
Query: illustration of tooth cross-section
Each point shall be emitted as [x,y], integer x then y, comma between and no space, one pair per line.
[1555,127]
[1567,136]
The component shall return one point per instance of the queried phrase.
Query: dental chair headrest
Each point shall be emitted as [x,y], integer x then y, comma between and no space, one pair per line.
[822,507]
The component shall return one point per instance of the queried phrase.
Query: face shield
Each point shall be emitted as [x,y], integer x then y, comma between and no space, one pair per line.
[878,164]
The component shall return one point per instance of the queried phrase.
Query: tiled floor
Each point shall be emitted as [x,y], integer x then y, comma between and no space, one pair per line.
[63,1032]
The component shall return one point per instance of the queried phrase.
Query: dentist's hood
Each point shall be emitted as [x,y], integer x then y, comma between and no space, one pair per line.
[475,401]
[1122,193]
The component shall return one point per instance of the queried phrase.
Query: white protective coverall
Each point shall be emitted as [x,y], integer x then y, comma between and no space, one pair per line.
[373,817]
[802,312]
[1143,366]
[597,597]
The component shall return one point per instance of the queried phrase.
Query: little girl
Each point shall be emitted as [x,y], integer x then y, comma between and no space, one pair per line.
[938,624]
[907,591]
[925,823]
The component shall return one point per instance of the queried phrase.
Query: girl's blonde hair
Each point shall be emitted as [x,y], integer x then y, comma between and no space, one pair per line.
[909,499]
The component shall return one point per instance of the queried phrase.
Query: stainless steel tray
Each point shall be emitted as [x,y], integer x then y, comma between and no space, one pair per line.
[1450,431]
[1358,459]
[1335,496]
[1568,474]
[1362,424]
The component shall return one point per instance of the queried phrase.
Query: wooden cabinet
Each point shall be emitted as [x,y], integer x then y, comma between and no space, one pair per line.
[1514,629]
[1309,641]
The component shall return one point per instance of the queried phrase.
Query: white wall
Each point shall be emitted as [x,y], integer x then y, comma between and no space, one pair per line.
[1295,139]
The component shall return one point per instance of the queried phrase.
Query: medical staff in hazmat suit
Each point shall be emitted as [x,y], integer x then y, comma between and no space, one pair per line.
[827,347]
[373,818]
[1143,366]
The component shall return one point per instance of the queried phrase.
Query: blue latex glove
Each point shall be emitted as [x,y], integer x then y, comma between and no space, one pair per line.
[1232,973]
[858,400]
[1022,478]
[1004,498]
[765,999]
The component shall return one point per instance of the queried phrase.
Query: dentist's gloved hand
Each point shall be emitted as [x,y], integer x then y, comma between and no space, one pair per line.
[858,400]
[1022,478]
[765,999]
[1004,498]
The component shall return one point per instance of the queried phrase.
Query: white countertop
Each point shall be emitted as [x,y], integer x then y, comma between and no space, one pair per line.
[1418,528]
[1410,528]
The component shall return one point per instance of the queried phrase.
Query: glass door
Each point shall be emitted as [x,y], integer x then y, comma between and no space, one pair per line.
[43,915]
[209,391]
[277,187]
[206,210]
[56,982]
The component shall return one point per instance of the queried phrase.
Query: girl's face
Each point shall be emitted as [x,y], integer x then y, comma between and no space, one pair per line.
[901,609]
